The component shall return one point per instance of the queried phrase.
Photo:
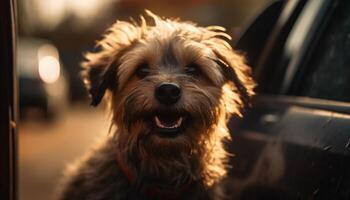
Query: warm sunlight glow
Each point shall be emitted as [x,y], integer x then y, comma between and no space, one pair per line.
[49,69]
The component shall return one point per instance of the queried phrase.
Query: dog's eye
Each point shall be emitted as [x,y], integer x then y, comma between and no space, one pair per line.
[142,70]
[192,69]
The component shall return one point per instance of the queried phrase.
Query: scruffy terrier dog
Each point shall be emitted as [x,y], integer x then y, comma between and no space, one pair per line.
[172,86]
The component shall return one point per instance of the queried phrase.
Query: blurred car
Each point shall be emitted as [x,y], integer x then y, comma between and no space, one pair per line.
[42,81]
[294,142]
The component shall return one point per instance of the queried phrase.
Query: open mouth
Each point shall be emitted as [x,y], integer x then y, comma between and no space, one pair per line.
[168,124]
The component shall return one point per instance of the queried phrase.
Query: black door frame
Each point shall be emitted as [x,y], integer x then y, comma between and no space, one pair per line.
[8,101]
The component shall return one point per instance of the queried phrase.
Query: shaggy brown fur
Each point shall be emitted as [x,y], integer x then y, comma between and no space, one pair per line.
[131,62]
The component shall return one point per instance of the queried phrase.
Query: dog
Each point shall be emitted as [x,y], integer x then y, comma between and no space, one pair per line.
[171,87]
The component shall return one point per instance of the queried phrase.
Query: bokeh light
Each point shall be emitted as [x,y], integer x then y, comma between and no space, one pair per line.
[49,69]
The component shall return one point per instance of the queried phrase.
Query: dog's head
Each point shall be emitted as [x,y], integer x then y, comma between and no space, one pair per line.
[173,85]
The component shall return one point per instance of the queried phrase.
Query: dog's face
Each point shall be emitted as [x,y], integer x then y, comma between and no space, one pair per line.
[173,85]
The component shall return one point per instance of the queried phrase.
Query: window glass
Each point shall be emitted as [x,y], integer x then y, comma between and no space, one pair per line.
[329,67]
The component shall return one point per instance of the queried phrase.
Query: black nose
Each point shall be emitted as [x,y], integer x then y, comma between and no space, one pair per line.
[168,93]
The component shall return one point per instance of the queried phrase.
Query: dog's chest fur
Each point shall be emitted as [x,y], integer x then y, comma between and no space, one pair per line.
[98,177]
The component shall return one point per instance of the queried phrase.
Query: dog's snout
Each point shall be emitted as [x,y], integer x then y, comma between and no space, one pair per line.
[168,93]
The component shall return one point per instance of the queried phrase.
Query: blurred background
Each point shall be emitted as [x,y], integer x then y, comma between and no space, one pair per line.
[57,123]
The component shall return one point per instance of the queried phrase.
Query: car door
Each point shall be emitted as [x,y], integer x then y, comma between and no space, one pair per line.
[8,105]
[294,143]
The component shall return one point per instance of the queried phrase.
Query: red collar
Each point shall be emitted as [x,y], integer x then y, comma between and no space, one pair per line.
[151,190]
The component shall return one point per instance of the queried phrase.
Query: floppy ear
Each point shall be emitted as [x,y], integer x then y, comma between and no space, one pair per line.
[101,68]
[98,78]
[235,70]
[232,64]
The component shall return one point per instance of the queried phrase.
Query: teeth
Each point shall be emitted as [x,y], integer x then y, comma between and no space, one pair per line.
[178,123]
[161,125]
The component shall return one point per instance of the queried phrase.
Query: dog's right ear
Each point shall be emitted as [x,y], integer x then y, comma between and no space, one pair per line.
[101,68]
[99,77]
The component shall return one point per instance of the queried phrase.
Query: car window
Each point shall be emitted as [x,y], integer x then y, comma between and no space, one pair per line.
[328,70]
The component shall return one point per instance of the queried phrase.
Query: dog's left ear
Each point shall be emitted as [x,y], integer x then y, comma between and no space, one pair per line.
[232,64]
[235,70]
